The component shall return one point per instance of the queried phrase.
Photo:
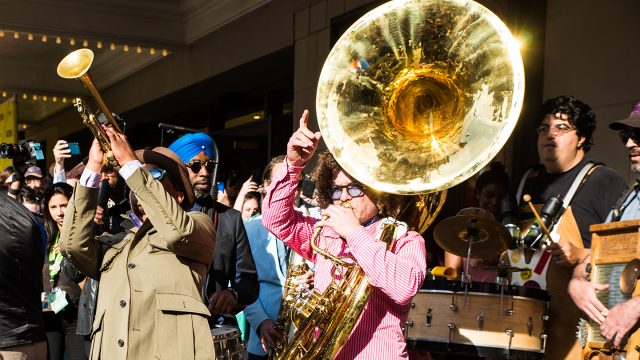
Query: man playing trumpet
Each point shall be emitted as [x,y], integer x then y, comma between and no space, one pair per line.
[150,280]
[355,217]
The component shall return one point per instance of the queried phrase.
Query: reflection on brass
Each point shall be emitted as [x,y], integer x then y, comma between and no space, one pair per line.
[76,66]
[417,96]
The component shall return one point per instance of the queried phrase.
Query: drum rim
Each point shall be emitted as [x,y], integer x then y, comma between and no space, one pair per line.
[483,288]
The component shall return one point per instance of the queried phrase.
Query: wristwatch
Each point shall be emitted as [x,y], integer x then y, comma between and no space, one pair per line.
[234,292]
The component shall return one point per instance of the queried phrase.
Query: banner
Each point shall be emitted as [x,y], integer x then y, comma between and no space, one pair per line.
[8,126]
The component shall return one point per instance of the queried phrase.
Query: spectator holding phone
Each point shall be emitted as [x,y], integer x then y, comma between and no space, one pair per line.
[61,151]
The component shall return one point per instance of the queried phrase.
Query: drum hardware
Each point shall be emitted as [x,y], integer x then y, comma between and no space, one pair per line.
[429,316]
[227,344]
[543,342]
[407,325]
[509,332]
[453,306]
[530,325]
[451,327]
[481,320]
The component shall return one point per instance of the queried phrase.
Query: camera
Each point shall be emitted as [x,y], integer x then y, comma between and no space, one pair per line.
[23,151]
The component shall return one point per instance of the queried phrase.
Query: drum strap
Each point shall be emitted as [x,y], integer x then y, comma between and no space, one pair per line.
[622,203]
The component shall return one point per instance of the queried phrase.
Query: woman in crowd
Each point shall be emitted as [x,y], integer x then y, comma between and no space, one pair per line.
[61,314]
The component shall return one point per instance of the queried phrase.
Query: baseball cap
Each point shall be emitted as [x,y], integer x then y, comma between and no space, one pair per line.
[632,121]
[33,171]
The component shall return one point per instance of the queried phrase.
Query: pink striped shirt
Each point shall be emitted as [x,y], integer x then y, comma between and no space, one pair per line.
[395,275]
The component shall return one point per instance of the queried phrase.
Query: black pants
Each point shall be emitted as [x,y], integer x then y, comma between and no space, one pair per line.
[62,337]
[258,357]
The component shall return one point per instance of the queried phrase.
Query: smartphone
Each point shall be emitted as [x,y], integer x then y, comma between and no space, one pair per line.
[307,188]
[220,186]
[74,147]
[256,174]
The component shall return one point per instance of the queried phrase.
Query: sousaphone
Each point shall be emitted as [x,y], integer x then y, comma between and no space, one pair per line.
[414,98]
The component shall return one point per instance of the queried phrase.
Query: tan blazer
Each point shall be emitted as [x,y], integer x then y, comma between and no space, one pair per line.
[149,304]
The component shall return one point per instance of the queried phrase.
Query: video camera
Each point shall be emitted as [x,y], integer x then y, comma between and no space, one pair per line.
[23,151]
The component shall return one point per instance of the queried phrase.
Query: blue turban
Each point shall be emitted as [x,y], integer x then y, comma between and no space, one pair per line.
[193,144]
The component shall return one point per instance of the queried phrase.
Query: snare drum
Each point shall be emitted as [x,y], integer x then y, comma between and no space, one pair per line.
[227,343]
[488,325]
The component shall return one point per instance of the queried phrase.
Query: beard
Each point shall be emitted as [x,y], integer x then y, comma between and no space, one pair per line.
[201,194]
[635,168]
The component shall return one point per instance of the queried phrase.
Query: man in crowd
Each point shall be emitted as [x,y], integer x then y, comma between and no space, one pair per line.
[356,215]
[22,333]
[232,280]
[616,322]
[564,138]
[150,280]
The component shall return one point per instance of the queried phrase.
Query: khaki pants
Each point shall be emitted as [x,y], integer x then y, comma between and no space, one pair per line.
[33,351]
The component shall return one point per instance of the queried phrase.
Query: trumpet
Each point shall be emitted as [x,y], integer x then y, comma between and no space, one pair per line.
[76,66]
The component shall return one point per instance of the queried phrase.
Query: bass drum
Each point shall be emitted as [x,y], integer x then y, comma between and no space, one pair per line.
[482,323]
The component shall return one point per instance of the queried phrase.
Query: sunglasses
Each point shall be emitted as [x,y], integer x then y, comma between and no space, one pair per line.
[354,190]
[196,165]
[627,134]
[157,173]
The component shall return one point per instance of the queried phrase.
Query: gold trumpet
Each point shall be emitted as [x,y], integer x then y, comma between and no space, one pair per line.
[76,66]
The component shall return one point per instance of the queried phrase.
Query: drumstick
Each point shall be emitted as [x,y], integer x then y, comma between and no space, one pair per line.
[527,199]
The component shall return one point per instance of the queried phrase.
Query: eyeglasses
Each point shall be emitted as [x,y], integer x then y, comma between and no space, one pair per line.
[556,130]
[626,134]
[354,190]
[196,165]
[157,173]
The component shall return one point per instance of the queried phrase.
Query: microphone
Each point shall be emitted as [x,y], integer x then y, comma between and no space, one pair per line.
[510,220]
[548,215]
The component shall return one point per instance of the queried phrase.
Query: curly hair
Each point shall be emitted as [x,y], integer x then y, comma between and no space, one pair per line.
[580,116]
[325,171]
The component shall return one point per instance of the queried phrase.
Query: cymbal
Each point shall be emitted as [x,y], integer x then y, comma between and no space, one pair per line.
[629,276]
[488,237]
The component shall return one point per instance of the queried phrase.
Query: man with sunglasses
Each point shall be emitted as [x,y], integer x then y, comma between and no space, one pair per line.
[149,301]
[356,215]
[232,282]
[564,138]
[616,322]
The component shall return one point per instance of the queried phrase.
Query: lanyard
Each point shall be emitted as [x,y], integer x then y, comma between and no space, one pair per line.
[55,258]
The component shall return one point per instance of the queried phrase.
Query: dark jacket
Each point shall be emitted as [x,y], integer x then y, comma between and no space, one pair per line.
[21,261]
[232,262]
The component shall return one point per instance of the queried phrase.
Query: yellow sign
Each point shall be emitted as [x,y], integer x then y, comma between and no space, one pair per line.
[8,126]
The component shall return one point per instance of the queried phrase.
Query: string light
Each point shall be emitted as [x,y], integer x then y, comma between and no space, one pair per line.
[44,38]
[4,94]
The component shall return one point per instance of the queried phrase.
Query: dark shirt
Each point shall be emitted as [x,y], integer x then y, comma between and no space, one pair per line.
[21,261]
[591,203]
[232,262]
